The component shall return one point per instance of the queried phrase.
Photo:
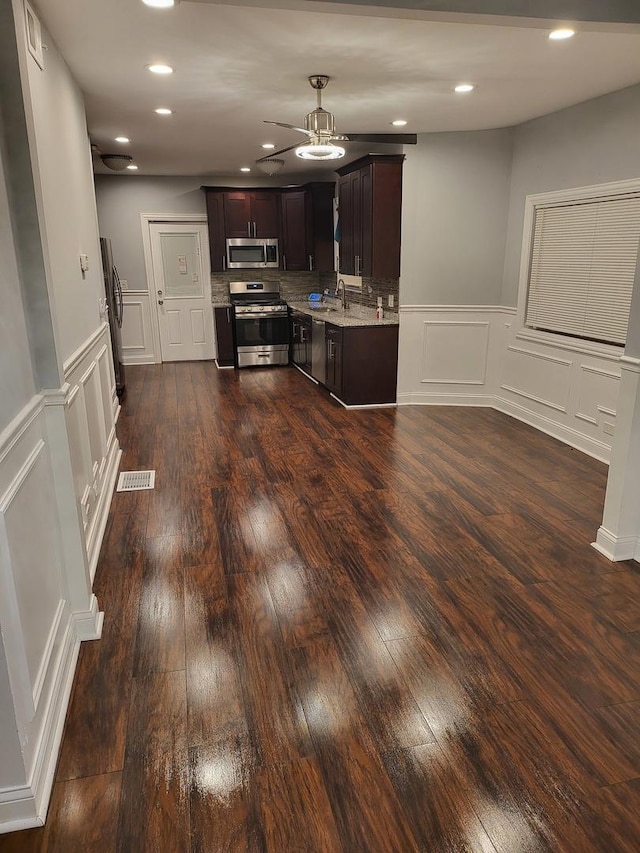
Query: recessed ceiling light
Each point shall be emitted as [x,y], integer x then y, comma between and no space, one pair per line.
[160,4]
[464,87]
[399,122]
[245,169]
[122,139]
[559,35]
[164,111]
[132,167]
[158,68]
[268,145]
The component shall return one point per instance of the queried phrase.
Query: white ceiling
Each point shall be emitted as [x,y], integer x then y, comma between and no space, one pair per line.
[239,64]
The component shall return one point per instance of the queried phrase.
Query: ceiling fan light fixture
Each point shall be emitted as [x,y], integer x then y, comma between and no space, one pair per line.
[116,162]
[318,150]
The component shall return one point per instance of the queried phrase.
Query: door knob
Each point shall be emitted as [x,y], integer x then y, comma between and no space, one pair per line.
[159,293]
[160,301]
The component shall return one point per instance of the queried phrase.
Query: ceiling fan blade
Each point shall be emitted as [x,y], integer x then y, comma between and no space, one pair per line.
[289,126]
[385,138]
[275,153]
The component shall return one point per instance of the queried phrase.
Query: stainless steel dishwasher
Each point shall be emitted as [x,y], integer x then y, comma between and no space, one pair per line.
[318,351]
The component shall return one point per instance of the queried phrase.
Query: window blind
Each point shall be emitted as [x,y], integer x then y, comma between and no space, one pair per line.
[583,263]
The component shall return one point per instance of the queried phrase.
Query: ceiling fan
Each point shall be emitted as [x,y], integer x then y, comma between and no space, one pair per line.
[319,127]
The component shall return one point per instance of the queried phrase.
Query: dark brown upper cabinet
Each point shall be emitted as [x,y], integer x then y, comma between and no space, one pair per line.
[370,207]
[251,214]
[307,227]
[300,217]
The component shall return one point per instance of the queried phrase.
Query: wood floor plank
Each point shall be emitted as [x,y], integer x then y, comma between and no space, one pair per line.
[276,723]
[436,801]
[154,813]
[367,813]
[96,724]
[82,816]
[392,715]
[225,816]
[160,641]
[295,810]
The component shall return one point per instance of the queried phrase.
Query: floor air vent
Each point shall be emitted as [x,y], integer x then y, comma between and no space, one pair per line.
[134,481]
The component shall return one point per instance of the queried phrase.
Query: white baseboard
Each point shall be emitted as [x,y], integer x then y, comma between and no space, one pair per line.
[26,806]
[428,398]
[591,446]
[88,623]
[133,360]
[616,548]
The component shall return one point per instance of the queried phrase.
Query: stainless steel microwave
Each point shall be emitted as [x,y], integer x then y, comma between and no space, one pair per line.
[252,252]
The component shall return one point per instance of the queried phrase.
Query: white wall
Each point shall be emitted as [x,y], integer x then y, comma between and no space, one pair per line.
[455,196]
[67,209]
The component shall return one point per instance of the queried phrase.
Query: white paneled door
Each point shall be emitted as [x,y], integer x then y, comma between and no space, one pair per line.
[182,290]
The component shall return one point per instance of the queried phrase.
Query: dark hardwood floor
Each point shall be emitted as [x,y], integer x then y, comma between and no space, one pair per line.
[349,631]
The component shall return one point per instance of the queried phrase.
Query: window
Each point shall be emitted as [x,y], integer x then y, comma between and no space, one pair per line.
[582,265]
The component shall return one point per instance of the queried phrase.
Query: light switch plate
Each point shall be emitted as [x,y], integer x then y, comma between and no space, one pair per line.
[84,263]
[124,284]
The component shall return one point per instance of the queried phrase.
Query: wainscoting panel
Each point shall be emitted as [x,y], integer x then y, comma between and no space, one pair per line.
[597,394]
[447,354]
[137,328]
[540,378]
[91,417]
[455,353]
[479,356]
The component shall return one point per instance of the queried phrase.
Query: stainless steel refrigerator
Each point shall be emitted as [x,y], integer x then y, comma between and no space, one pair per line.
[113,292]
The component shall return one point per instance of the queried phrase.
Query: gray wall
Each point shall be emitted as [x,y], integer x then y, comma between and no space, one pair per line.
[122,198]
[454,218]
[16,375]
[591,143]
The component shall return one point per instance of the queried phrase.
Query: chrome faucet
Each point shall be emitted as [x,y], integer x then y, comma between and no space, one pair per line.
[343,296]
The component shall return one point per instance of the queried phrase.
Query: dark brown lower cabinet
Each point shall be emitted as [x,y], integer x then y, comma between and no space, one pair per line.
[300,336]
[224,336]
[362,363]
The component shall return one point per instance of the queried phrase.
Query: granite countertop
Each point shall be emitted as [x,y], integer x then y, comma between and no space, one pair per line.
[355,316]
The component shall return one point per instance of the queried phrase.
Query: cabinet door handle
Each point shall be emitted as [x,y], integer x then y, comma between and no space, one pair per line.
[228,316]
[224,262]
[331,346]
[255,229]
[357,264]
[284,262]
[310,263]
[303,337]
[249,234]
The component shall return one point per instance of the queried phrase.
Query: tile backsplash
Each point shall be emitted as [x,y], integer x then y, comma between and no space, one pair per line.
[296,286]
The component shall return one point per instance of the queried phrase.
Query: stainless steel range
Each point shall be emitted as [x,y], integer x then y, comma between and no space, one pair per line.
[261,323]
